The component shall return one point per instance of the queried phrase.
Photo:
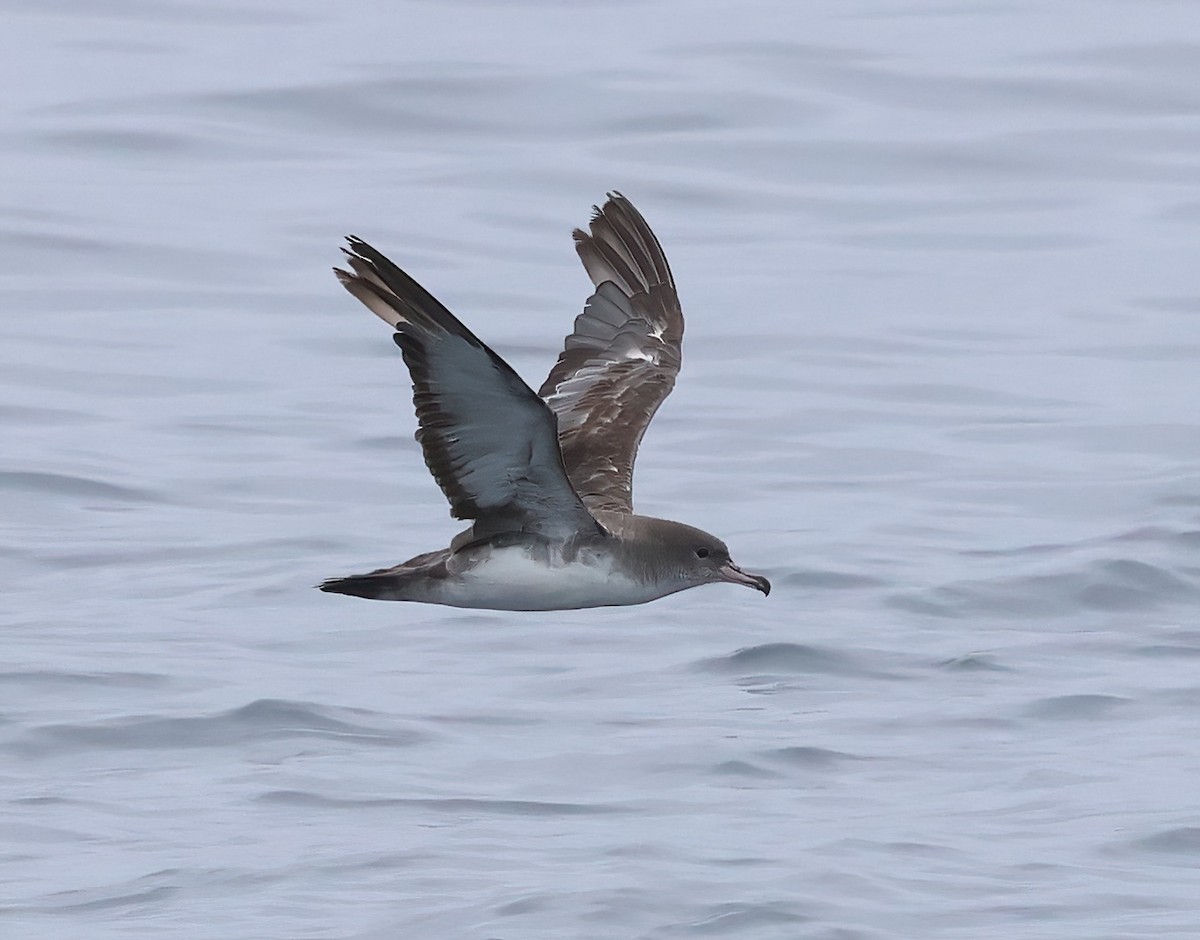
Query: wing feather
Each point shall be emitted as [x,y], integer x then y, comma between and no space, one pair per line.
[622,358]
[489,441]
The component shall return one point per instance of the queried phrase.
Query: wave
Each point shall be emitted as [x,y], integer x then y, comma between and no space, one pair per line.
[262,720]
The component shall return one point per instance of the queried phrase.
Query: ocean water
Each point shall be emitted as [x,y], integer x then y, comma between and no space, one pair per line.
[941,383]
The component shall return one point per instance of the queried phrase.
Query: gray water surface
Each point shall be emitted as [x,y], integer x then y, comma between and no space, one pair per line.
[939,264]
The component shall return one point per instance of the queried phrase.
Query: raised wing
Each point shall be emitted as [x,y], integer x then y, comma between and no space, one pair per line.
[489,442]
[622,359]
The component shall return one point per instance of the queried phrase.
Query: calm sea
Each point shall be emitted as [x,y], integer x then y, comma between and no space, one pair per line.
[940,267]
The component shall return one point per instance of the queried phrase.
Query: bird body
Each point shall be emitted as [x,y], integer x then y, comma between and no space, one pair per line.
[507,577]
[519,573]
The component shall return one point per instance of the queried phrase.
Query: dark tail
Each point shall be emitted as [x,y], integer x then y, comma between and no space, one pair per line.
[373,586]
[412,581]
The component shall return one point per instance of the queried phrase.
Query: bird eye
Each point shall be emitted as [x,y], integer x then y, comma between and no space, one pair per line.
[702,553]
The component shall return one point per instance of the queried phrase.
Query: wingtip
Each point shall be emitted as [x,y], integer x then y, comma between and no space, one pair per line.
[361,250]
[612,197]
[355,253]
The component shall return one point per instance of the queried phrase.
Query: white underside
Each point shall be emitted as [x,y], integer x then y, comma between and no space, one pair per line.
[510,579]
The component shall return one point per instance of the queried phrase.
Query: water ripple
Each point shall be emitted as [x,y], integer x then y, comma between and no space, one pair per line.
[974,662]
[50,678]
[1118,584]
[1181,841]
[736,918]
[455,805]
[810,758]
[785,658]
[65,484]
[1083,707]
[263,720]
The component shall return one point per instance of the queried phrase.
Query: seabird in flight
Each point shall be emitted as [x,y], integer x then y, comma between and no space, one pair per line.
[545,479]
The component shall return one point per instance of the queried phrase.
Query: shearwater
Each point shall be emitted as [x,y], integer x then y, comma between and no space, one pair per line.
[546,479]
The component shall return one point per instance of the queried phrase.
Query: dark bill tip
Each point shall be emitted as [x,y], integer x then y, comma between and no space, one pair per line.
[736,575]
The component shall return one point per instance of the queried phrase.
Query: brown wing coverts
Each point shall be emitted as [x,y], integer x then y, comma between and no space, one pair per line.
[622,358]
